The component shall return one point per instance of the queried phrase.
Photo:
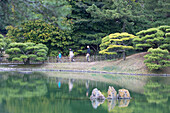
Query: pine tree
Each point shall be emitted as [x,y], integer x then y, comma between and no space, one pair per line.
[14,12]
[157,12]
[152,38]
[166,42]
[157,59]
[115,43]
[124,13]
[26,52]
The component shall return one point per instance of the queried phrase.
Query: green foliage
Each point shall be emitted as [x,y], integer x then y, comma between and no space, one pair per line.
[152,38]
[38,31]
[157,12]
[166,42]
[94,19]
[117,42]
[13,12]
[3,44]
[156,92]
[127,14]
[27,52]
[157,59]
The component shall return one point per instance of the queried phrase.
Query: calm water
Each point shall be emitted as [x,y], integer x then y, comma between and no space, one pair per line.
[38,93]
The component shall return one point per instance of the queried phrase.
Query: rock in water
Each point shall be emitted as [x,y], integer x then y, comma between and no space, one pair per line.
[123,94]
[96,94]
[112,93]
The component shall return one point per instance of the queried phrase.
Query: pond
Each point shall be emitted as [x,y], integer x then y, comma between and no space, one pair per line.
[56,92]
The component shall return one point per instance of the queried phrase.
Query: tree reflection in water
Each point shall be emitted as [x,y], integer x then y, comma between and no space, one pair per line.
[38,93]
[156,92]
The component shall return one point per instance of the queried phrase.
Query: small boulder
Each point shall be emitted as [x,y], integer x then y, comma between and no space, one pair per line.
[96,94]
[112,93]
[123,94]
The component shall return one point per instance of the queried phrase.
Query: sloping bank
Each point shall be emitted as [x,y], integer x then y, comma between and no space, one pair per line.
[80,71]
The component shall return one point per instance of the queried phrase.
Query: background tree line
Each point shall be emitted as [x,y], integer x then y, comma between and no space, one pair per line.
[87,21]
[65,24]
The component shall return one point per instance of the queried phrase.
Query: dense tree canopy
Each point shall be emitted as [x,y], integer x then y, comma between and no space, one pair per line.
[125,14]
[13,12]
[39,31]
[85,22]
[157,12]
[94,19]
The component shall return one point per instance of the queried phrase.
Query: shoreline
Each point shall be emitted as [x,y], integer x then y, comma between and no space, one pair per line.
[80,71]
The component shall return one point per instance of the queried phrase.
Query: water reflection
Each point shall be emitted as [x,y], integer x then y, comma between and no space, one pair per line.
[111,104]
[38,93]
[123,102]
[87,88]
[70,84]
[96,103]
[156,92]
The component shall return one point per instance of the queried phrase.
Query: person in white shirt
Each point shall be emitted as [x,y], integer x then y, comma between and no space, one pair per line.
[71,54]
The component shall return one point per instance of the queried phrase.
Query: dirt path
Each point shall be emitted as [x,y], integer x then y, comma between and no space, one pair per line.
[132,64]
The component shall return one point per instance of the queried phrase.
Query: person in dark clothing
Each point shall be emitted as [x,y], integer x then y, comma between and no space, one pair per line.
[88,54]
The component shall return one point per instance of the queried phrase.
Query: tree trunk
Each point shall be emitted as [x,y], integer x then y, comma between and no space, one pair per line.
[27,62]
[124,55]
[124,26]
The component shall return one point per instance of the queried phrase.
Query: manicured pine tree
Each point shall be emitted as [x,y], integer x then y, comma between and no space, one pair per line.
[116,43]
[26,52]
[166,41]
[152,38]
[157,59]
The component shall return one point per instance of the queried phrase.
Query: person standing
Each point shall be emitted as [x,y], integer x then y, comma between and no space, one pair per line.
[59,56]
[71,55]
[88,54]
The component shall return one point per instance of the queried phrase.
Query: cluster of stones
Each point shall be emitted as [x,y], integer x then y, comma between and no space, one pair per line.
[112,94]
[123,98]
